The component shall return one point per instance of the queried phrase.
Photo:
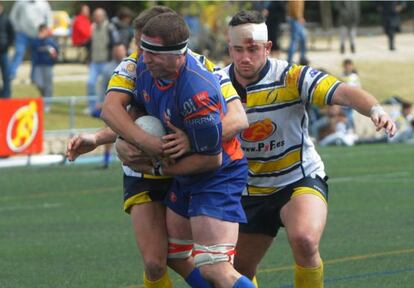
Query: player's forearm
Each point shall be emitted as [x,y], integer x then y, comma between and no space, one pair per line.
[115,115]
[194,164]
[235,120]
[105,136]
[356,98]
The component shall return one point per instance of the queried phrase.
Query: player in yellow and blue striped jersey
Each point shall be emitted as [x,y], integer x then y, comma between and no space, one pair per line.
[287,181]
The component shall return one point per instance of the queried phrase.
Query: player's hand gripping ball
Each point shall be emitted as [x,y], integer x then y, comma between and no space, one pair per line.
[153,126]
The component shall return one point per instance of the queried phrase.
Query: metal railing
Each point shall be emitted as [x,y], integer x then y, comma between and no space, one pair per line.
[73,102]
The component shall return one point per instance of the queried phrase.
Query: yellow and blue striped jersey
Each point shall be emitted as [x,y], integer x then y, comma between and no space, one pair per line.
[277,145]
[124,77]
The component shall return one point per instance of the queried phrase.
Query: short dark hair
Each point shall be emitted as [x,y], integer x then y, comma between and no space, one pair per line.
[347,62]
[170,27]
[42,26]
[124,12]
[244,17]
[406,105]
[146,15]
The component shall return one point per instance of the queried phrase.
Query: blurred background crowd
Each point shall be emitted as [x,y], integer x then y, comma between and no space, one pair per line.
[96,35]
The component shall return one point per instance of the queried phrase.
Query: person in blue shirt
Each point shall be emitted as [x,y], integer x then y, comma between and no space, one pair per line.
[204,201]
[44,54]
[6,40]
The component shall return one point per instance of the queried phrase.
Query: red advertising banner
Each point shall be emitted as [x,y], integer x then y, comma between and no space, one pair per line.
[21,126]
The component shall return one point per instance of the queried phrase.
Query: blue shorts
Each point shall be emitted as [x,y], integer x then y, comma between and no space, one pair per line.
[218,196]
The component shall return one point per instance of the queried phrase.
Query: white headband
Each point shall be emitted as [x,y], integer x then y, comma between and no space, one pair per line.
[249,31]
[177,49]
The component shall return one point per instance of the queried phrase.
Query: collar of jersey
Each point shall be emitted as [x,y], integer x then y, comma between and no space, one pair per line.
[262,73]
[158,83]
[239,88]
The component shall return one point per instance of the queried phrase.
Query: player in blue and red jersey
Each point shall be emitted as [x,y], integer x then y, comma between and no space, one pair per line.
[204,203]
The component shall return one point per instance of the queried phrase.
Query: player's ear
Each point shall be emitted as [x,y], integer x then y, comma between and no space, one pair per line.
[268,47]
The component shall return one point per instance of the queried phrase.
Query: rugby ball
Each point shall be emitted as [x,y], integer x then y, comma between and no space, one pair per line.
[151,125]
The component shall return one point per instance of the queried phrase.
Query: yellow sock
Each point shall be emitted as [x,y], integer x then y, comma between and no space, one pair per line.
[309,277]
[163,282]
[254,280]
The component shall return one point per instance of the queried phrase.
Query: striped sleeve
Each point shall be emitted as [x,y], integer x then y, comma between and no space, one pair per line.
[316,87]
[227,88]
[124,76]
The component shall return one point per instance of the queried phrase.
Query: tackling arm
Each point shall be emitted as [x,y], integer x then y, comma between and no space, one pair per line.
[235,120]
[189,165]
[193,164]
[115,116]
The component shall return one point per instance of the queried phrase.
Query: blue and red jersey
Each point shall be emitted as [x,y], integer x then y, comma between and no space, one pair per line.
[192,102]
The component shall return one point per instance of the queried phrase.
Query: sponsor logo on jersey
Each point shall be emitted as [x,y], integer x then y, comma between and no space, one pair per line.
[313,72]
[146,96]
[263,146]
[201,99]
[173,197]
[22,127]
[189,107]
[201,121]
[131,67]
[259,131]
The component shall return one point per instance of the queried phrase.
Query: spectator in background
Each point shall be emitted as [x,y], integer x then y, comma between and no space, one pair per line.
[6,40]
[405,125]
[390,12]
[349,12]
[119,52]
[338,131]
[101,47]
[276,15]
[44,54]
[26,17]
[296,9]
[82,28]
[123,32]
[350,77]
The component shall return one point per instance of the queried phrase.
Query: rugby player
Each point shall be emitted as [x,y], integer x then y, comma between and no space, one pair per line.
[204,203]
[286,182]
[144,193]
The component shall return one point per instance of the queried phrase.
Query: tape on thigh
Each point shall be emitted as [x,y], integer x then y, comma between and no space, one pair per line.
[204,255]
[179,249]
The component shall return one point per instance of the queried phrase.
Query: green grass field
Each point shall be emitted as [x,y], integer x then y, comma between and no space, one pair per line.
[63,226]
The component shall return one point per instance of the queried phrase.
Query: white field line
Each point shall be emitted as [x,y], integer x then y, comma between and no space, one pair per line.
[31,207]
[400,176]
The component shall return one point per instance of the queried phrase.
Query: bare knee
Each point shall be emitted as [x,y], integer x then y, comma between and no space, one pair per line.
[154,269]
[220,274]
[305,245]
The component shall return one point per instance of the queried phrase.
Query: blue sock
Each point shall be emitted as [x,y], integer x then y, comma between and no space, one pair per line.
[107,158]
[243,282]
[195,280]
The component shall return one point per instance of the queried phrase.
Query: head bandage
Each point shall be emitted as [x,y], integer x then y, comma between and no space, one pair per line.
[250,32]
[176,49]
